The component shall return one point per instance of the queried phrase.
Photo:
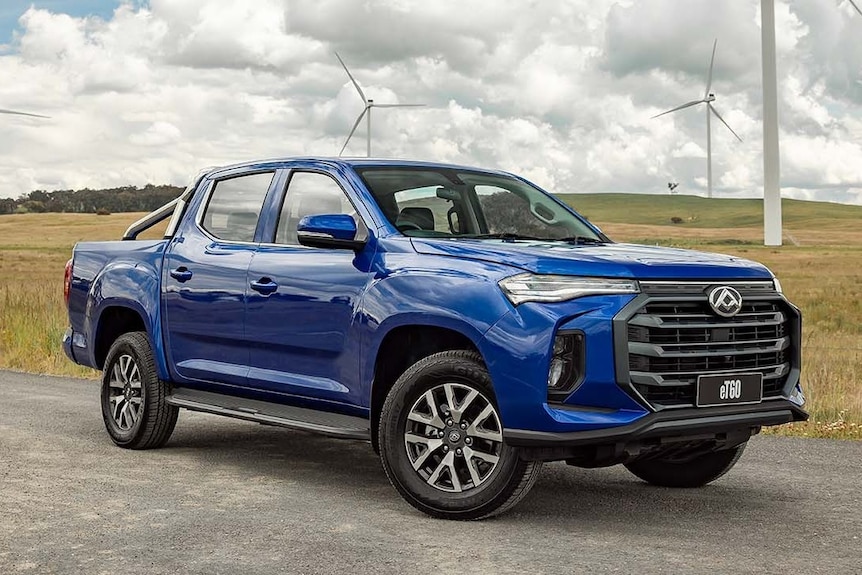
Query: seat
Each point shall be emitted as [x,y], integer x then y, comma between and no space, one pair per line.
[413,217]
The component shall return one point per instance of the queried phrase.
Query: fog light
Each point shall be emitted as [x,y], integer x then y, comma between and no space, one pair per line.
[566,368]
[558,365]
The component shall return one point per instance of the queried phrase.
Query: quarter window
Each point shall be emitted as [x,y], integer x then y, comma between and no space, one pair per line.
[234,207]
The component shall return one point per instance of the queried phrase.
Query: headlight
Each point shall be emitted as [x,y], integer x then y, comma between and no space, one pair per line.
[547,288]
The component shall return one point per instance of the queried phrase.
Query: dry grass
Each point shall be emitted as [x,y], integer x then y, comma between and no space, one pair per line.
[821,276]
[33,251]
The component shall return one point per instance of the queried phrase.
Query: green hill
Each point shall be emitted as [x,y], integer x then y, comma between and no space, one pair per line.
[708,213]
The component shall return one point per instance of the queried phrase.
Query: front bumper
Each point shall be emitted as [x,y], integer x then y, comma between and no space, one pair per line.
[728,425]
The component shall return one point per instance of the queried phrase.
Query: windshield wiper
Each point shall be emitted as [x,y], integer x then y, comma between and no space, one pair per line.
[506,236]
[580,240]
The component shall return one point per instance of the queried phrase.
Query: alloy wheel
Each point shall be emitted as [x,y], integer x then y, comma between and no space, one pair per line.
[125,394]
[453,437]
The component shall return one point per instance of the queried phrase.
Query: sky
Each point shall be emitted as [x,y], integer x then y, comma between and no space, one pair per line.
[562,92]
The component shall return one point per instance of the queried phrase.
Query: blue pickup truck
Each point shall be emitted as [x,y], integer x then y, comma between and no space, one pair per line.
[467,324]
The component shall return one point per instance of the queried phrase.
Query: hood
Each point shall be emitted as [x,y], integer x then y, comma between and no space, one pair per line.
[606,260]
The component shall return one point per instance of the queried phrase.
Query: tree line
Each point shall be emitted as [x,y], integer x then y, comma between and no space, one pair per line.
[87,201]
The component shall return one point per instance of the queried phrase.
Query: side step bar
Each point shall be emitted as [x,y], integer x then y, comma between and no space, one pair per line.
[322,422]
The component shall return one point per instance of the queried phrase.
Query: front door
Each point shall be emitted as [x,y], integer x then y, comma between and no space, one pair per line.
[300,321]
[205,280]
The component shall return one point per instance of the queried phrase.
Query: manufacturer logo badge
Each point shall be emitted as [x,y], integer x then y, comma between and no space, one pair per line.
[725,301]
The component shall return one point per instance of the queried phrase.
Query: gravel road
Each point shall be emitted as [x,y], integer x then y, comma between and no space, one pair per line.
[227,496]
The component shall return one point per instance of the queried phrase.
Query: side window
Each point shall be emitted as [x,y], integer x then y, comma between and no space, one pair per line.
[308,194]
[234,206]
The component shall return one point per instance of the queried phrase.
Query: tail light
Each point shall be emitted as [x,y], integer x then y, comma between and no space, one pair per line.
[67,281]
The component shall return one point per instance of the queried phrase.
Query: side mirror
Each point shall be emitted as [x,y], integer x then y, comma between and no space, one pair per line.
[336,231]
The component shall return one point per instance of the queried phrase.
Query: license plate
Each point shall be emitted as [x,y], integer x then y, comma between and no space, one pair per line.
[729,389]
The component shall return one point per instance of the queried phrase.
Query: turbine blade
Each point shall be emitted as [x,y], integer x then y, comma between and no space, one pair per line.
[397,105]
[711,64]
[355,125]
[855,5]
[686,105]
[14,113]
[355,83]
[717,115]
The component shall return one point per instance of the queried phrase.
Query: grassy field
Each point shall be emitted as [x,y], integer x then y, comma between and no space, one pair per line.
[819,269]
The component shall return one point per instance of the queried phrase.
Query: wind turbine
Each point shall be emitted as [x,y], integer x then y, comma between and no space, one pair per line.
[15,113]
[366,112]
[708,99]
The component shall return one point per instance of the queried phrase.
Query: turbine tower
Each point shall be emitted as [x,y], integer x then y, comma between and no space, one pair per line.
[772,222]
[366,112]
[708,99]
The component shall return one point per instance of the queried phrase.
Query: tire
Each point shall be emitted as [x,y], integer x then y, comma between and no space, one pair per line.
[455,465]
[695,472]
[133,397]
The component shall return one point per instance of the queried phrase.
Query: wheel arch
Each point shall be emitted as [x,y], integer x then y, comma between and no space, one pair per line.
[124,297]
[402,346]
[114,321]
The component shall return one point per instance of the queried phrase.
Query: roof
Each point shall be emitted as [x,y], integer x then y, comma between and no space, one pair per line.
[358,162]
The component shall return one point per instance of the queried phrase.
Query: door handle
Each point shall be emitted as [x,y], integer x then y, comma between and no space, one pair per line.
[264,285]
[181,274]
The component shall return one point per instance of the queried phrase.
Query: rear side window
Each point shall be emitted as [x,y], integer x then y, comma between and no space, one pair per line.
[234,207]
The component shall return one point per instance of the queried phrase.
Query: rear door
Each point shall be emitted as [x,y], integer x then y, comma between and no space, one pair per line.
[206,278]
[302,329]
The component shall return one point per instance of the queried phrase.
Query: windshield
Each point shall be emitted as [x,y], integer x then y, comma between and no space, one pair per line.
[449,203]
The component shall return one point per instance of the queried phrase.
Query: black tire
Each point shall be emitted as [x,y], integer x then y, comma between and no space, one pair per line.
[488,489]
[147,421]
[695,472]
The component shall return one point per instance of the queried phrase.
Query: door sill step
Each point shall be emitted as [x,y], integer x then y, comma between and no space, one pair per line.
[322,422]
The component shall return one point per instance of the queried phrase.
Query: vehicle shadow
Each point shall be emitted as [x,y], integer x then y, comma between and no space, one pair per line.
[609,497]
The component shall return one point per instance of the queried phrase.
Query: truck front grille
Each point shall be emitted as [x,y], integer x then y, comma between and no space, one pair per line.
[671,343]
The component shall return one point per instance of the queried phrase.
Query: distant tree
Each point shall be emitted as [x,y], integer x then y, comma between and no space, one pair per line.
[113,200]
[34,206]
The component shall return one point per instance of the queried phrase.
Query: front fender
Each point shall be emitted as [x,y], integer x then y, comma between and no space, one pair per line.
[448,299]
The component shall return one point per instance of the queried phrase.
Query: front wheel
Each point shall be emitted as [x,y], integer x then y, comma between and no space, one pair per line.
[694,472]
[134,409]
[441,441]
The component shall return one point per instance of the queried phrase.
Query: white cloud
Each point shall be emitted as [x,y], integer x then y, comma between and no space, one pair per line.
[562,92]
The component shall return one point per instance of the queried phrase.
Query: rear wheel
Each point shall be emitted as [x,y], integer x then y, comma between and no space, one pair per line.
[441,441]
[134,410]
[694,472]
